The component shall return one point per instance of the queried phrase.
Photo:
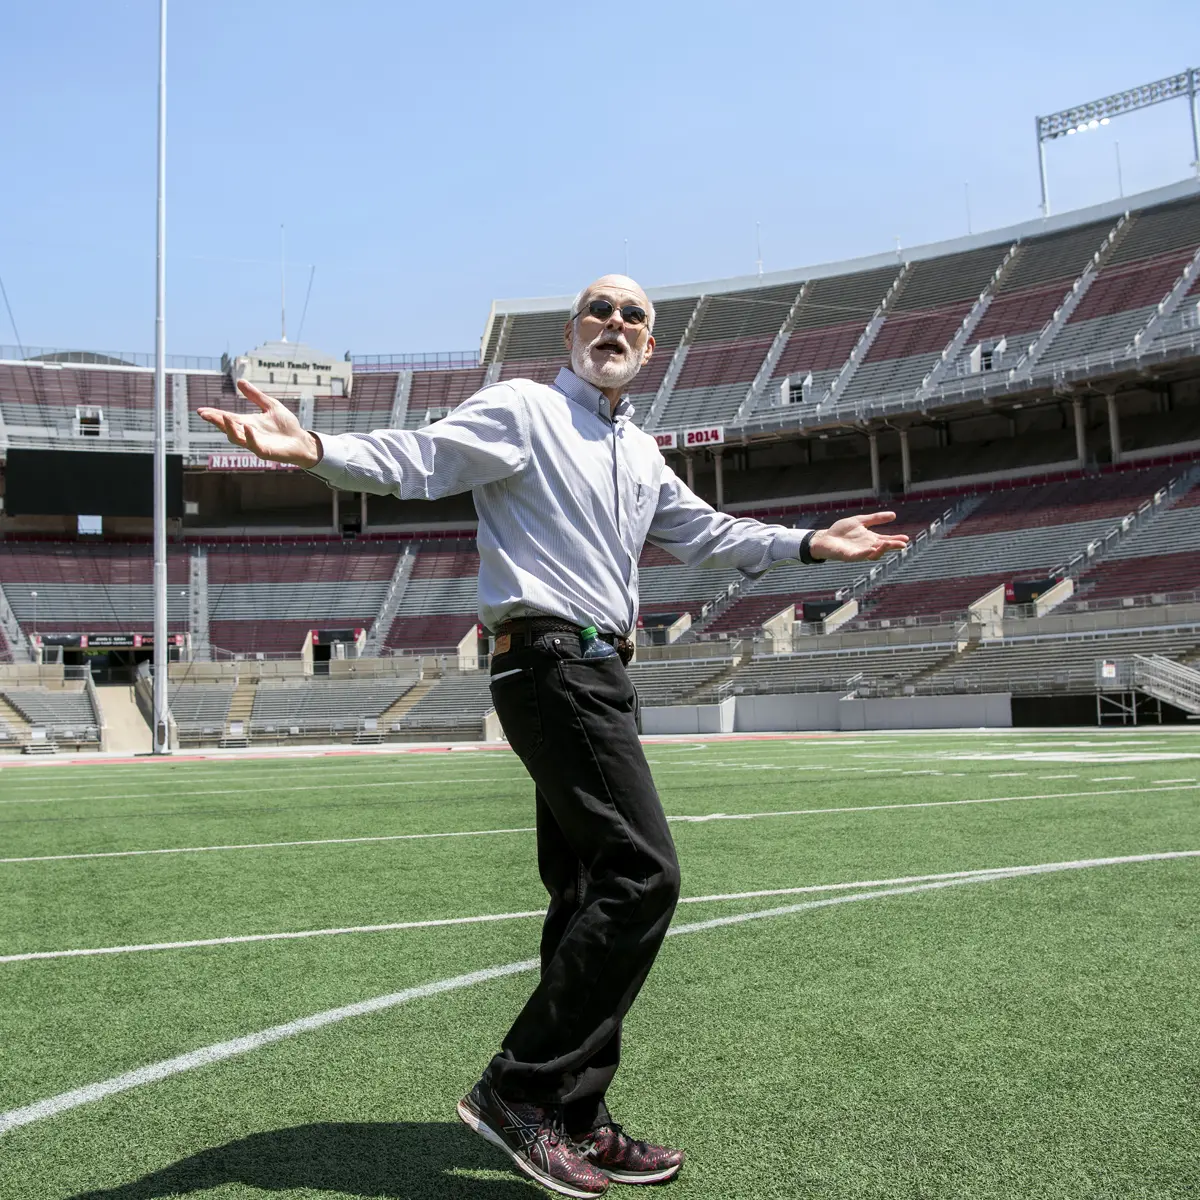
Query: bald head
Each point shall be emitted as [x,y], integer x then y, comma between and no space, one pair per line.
[613,286]
[606,349]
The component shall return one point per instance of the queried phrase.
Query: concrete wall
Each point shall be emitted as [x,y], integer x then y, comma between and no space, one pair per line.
[690,718]
[827,711]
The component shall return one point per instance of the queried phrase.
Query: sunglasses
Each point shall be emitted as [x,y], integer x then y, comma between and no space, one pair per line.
[631,314]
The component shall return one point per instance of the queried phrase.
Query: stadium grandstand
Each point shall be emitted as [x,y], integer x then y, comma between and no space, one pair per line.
[1026,400]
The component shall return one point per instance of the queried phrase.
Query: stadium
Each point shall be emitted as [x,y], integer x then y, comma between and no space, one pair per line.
[1027,400]
[937,934]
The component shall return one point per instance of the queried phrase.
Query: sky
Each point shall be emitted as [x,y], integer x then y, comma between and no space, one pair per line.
[426,159]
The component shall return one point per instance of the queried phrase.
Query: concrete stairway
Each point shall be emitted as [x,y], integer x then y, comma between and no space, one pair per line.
[125,729]
[407,702]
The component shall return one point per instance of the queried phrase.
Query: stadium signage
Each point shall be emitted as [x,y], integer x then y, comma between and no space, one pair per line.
[245,462]
[667,441]
[714,435]
[104,641]
[285,365]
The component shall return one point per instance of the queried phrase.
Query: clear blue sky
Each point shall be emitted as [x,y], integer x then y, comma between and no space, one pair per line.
[428,158]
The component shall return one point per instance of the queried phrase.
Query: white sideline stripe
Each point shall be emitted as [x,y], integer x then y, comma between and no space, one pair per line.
[241,791]
[699,819]
[513,916]
[88,793]
[387,837]
[152,1073]
[270,937]
[64,1101]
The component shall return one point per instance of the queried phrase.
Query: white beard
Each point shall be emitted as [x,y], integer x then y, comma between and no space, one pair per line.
[604,371]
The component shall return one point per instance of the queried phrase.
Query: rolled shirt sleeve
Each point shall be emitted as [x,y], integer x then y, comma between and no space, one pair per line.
[484,440]
[694,532]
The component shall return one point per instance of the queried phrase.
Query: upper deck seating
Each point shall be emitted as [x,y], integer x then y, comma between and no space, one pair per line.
[440,603]
[1142,270]
[369,406]
[728,345]
[440,391]
[930,306]
[46,395]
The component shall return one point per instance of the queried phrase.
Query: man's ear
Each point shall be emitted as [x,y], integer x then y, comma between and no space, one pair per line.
[568,334]
[648,352]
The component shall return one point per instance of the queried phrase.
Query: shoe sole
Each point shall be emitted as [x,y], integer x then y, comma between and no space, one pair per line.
[474,1121]
[643,1177]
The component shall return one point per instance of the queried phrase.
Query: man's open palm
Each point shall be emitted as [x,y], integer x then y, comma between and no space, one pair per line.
[273,433]
[853,539]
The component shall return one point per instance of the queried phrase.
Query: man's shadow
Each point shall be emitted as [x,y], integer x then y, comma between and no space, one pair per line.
[401,1161]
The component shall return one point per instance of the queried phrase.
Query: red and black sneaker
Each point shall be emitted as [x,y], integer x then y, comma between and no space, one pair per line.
[625,1160]
[534,1138]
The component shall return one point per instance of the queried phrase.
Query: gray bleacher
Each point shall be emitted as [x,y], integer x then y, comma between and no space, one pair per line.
[1065,663]
[670,681]
[455,705]
[886,668]
[64,714]
[200,708]
[1099,335]
[687,587]
[310,600]
[332,704]
[1011,550]
[67,603]
[369,407]
[1176,531]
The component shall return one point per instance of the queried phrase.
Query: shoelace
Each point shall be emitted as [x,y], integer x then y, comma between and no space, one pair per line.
[619,1130]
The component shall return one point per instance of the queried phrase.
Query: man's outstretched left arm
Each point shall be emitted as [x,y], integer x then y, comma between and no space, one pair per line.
[694,532]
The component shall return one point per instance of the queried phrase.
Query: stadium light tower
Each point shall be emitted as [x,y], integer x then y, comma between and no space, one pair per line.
[161,733]
[1084,117]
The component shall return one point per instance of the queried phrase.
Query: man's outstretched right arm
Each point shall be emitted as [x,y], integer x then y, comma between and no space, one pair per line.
[484,440]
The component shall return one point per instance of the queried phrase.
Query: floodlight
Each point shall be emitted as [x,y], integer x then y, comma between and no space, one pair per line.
[1082,117]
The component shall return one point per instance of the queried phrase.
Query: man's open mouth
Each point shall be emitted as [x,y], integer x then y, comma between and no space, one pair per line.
[611,348]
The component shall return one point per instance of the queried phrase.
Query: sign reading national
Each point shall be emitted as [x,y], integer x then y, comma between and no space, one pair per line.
[713,435]
[245,462]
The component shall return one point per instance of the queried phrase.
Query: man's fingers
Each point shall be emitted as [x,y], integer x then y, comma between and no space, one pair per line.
[879,518]
[254,395]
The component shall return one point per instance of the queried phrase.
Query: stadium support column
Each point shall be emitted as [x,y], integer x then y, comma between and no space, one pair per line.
[905,460]
[1114,426]
[362,512]
[689,467]
[719,466]
[337,523]
[1080,414]
[873,440]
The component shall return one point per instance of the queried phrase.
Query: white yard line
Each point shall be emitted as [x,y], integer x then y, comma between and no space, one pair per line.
[697,819]
[65,1101]
[394,926]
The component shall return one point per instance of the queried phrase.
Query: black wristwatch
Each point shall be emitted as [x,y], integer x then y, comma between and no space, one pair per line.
[806,556]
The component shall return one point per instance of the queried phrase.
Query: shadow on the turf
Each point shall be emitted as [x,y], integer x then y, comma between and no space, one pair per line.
[407,1160]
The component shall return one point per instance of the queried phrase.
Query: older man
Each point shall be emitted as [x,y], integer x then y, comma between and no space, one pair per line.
[568,490]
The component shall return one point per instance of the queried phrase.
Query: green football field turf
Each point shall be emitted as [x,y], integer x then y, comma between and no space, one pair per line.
[984,1035]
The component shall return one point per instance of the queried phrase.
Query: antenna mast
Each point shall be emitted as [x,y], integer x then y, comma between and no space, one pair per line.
[282,286]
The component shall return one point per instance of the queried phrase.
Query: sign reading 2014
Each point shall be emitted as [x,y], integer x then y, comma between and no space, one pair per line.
[713,435]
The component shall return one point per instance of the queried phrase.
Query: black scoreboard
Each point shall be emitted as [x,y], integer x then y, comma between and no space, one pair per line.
[95,483]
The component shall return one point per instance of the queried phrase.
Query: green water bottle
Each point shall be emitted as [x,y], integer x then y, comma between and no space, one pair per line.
[593,646]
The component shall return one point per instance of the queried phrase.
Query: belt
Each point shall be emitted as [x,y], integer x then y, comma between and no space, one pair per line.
[524,631]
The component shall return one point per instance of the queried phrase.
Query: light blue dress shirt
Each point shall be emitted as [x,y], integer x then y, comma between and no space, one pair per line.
[566,495]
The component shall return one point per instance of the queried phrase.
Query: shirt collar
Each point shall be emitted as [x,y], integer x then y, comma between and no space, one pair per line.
[590,397]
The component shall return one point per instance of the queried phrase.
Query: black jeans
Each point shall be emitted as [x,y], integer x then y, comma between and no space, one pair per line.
[606,857]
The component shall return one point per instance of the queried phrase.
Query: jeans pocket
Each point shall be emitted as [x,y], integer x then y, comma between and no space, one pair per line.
[514,693]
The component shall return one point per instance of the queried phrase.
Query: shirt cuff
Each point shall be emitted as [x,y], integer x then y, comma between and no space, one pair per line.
[334,467]
[789,545]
